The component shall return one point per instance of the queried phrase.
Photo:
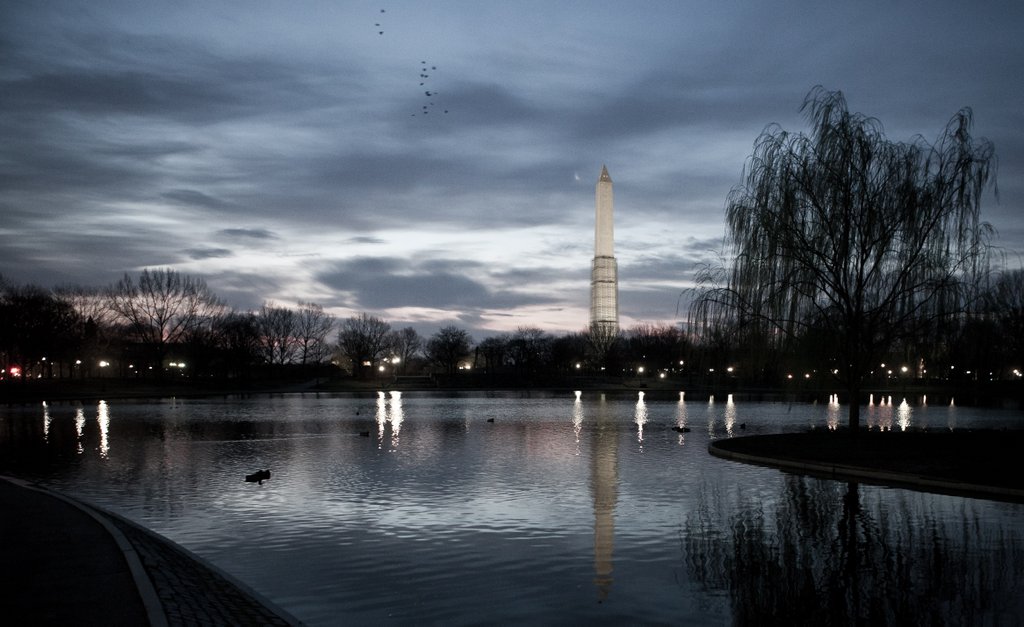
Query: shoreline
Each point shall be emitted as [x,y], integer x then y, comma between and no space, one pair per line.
[975,463]
[1007,395]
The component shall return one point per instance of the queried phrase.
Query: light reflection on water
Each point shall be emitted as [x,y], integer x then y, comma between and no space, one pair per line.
[582,508]
[640,418]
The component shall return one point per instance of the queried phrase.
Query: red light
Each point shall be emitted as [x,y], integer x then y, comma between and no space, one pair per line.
[15,371]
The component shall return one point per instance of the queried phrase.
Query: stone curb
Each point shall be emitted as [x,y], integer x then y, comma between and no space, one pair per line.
[884,477]
[151,600]
[283,614]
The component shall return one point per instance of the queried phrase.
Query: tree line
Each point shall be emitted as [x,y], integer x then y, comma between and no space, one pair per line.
[163,323]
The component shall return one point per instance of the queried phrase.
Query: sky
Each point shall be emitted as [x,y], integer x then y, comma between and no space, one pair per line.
[434,163]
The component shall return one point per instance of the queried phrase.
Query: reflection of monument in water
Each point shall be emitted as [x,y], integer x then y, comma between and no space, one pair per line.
[604,480]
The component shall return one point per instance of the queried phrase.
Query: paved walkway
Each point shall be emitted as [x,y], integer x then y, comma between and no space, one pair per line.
[65,563]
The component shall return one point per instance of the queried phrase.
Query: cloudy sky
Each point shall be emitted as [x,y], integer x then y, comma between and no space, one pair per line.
[288,151]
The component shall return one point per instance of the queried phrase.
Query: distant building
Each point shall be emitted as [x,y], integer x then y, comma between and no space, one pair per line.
[604,272]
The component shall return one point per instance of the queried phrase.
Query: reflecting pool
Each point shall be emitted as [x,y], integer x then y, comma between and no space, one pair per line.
[397,508]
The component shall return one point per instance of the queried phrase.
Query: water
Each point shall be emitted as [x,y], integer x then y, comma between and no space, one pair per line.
[417,508]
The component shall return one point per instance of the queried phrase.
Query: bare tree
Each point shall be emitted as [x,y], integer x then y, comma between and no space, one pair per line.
[530,349]
[90,303]
[1006,302]
[660,346]
[364,340]
[569,353]
[406,344]
[312,328]
[277,330]
[849,234]
[38,331]
[237,336]
[448,347]
[162,307]
[601,342]
[97,320]
[494,351]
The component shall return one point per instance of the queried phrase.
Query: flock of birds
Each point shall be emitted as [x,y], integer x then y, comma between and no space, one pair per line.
[424,69]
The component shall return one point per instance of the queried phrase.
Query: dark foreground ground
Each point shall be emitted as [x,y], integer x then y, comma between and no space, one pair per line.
[63,563]
[985,463]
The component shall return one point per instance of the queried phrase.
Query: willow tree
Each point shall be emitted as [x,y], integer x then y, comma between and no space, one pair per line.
[844,234]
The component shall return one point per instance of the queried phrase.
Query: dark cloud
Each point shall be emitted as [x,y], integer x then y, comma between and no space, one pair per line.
[207,253]
[386,283]
[140,135]
[365,239]
[193,198]
[251,234]
[247,291]
[390,282]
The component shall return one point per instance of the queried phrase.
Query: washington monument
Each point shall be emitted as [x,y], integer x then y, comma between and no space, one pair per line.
[604,272]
